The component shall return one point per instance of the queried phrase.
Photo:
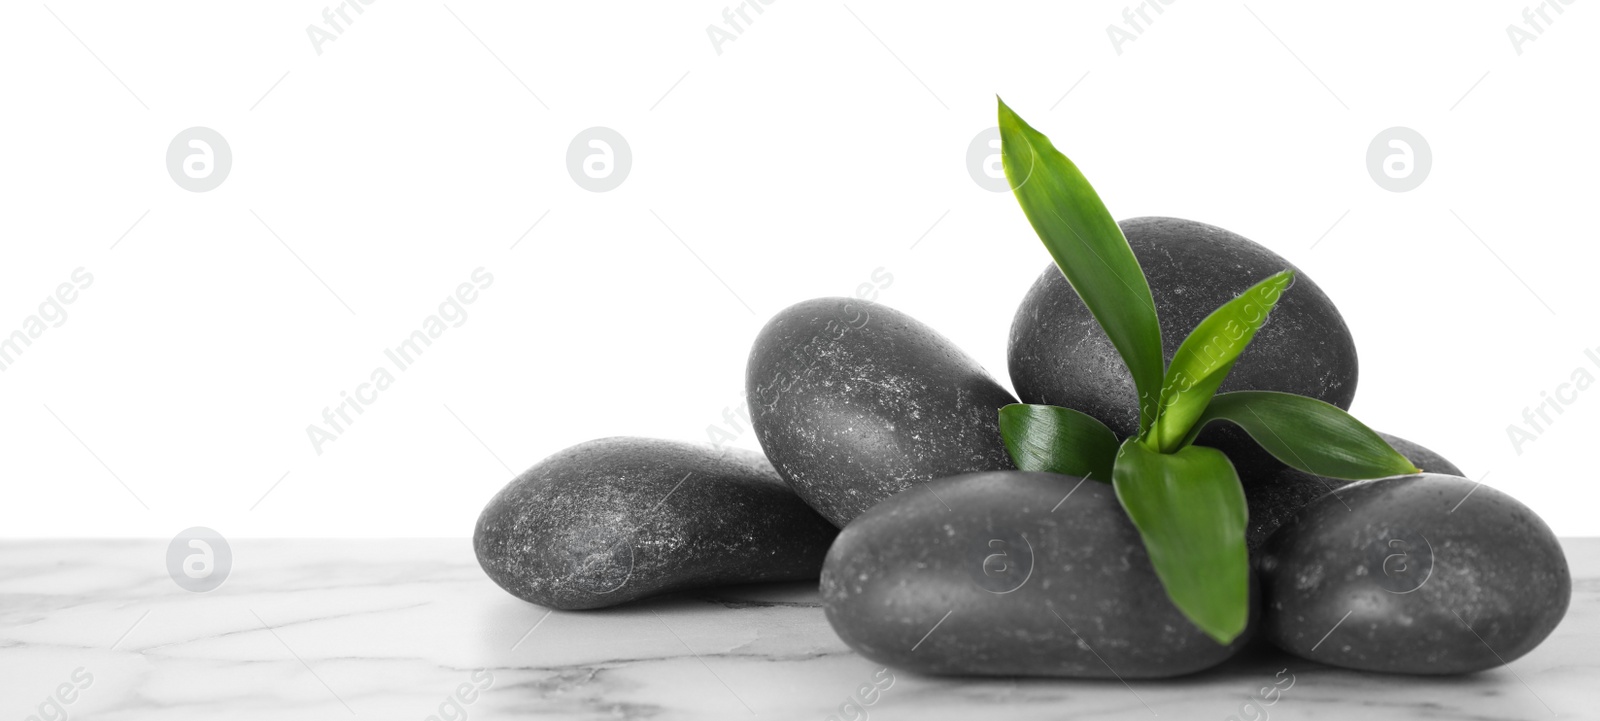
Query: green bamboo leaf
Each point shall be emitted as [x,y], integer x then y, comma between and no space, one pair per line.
[1058,440]
[1190,511]
[1308,434]
[1206,356]
[1090,250]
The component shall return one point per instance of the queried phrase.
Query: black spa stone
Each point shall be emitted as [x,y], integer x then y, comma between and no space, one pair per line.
[1059,355]
[617,519]
[1009,573]
[1424,574]
[854,402]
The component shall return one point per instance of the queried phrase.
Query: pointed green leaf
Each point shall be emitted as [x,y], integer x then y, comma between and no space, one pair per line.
[1190,510]
[1308,434]
[1206,356]
[1089,248]
[1058,440]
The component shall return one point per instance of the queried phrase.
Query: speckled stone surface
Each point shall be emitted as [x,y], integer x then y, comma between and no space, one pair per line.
[1008,573]
[854,402]
[1059,355]
[617,519]
[1275,491]
[1427,574]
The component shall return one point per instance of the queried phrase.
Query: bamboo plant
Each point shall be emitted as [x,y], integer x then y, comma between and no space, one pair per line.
[1186,500]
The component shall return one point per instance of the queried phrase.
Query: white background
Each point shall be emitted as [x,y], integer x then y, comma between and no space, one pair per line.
[793,164]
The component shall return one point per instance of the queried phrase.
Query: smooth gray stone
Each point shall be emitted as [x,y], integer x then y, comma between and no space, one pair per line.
[854,401]
[1059,355]
[1424,574]
[1009,573]
[617,519]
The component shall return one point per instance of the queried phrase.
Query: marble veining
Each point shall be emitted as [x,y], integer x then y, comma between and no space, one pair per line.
[412,629]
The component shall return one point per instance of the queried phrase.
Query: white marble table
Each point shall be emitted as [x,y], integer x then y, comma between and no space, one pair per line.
[394,629]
